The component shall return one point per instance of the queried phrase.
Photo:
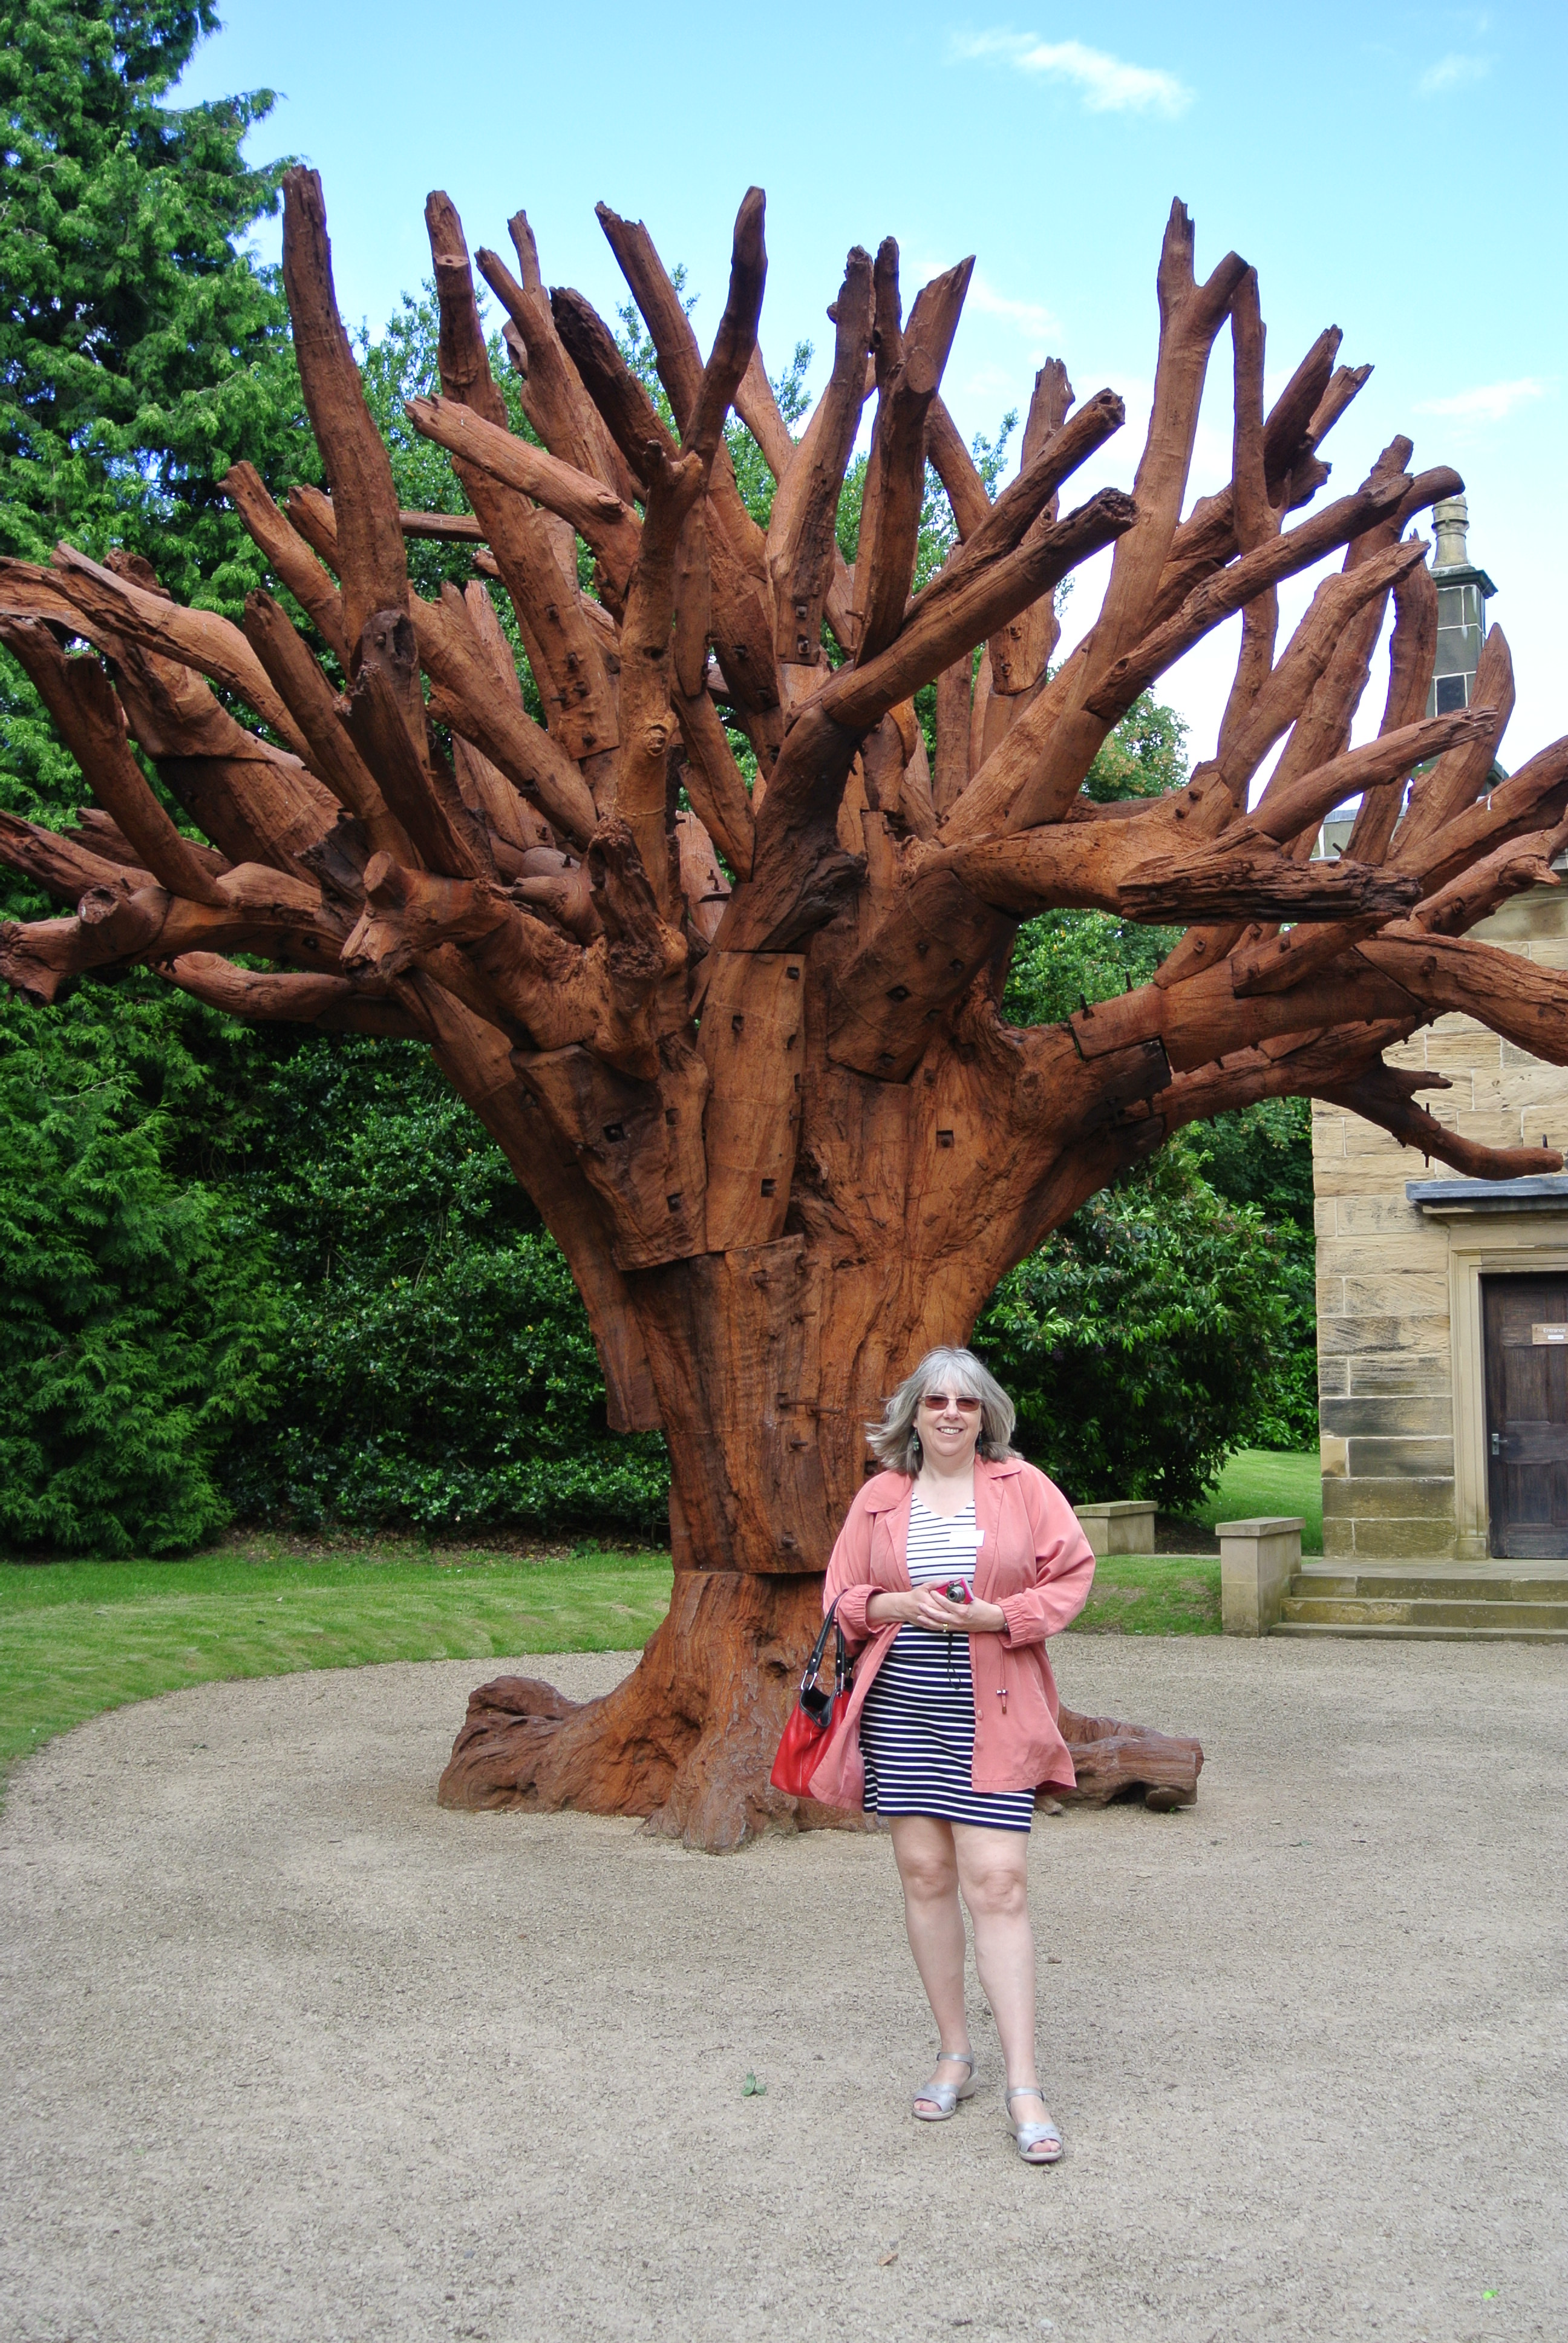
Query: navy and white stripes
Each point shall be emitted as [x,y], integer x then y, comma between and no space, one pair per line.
[917,1725]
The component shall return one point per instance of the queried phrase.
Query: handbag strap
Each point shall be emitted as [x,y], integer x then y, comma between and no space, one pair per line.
[819,1650]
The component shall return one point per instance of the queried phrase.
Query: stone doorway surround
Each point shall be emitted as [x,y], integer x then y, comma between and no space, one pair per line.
[1520,1229]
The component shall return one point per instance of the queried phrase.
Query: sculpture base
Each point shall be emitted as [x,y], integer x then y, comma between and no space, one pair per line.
[688,1739]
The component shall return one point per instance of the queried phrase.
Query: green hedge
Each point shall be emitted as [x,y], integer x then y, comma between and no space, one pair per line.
[137,1323]
[434,1366]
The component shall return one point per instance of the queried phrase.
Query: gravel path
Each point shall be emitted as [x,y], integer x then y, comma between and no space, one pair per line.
[289,2054]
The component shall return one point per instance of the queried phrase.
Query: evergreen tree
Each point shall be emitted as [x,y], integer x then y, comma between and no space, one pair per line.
[142,351]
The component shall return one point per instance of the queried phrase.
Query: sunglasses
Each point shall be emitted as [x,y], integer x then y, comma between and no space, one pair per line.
[938,1400]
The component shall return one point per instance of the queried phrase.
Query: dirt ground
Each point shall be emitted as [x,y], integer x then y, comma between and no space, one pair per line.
[289,2054]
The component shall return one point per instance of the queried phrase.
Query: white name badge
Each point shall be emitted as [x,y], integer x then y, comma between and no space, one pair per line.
[971,1541]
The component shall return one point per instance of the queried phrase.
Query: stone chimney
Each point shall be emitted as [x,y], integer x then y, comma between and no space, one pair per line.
[1463,593]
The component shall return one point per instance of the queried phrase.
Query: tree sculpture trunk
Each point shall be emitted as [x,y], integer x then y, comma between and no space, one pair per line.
[741,1039]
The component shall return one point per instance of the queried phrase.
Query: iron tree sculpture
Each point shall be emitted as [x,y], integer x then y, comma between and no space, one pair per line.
[746,1052]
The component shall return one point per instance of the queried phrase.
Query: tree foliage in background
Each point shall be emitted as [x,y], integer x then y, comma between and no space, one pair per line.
[434,1364]
[137,1317]
[141,350]
[1263,1157]
[1137,1343]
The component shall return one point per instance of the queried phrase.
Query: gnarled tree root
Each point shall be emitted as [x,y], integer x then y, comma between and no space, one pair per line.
[688,1739]
[1112,1760]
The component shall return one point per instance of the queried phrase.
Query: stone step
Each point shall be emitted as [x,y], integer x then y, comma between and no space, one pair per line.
[1424,1635]
[1426,1610]
[1452,1586]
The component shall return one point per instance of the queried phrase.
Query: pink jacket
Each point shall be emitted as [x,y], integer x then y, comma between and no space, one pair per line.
[1034,1560]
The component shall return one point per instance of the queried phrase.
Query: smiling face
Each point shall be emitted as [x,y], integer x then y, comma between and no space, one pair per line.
[948,1423]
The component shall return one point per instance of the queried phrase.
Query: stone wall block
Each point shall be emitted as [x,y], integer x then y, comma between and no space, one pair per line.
[1471,1046]
[1366,1138]
[1526,920]
[1390,1500]
[1414,1372]
[1411,1293]
[1369,1175]
[1528,1087]
[1402,1541]
[1390,1416]
[1424,1249]
[1352,1336]
[1364,1216]
[1490,1129]
[1381,1457]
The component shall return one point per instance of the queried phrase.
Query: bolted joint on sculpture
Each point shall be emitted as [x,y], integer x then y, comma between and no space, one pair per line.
[747,1053]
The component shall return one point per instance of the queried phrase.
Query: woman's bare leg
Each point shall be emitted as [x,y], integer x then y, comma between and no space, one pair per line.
[993,1874]
[929,1875]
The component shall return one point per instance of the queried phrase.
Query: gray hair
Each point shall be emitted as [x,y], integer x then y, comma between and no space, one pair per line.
[895,1441]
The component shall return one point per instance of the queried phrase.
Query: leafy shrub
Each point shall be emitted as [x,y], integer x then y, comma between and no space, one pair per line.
[1137,1342]
[1262,1155]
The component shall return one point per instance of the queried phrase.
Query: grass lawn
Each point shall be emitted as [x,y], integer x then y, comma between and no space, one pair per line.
[1152,1595]
[77,1637]
[1178,1594]
[1269,1481]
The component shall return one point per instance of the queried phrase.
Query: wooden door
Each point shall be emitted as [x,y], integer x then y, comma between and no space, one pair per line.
[1526,1334]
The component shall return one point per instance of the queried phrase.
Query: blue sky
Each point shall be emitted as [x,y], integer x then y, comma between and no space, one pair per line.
[1398,171]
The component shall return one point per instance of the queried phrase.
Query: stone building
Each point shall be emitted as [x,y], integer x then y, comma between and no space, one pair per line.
[1442,1303]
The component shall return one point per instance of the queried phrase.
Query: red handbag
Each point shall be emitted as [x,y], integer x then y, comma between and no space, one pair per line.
[812,1719]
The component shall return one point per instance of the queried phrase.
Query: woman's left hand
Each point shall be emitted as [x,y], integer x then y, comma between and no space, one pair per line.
[946,1618]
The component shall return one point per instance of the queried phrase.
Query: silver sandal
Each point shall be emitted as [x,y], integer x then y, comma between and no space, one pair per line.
[1030,2136]
[944,2096]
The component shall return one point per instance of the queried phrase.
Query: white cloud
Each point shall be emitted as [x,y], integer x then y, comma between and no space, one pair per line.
[1106,84]
[1031,317]
[1451,72]
[1489,402]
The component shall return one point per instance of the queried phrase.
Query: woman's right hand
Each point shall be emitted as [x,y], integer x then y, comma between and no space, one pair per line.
[882,1610]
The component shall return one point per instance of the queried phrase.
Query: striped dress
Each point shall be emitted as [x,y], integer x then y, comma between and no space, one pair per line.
[917,1725]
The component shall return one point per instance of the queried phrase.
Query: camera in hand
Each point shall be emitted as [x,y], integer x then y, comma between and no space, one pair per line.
[957,1590]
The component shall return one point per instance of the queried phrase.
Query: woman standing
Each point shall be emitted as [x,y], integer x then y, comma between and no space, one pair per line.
[954,1566]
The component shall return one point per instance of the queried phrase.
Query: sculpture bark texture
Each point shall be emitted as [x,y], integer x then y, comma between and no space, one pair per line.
[746,1051]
